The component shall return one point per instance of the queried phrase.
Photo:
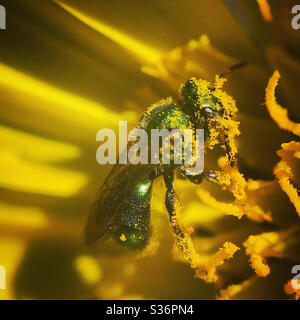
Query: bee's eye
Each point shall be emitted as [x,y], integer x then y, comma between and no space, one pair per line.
[207,112]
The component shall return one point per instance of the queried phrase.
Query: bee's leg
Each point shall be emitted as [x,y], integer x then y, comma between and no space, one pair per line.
[209,175]
[171,201]
[231,157]
[195,179]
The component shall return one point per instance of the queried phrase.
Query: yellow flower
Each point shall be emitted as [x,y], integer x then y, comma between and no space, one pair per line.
[69,68]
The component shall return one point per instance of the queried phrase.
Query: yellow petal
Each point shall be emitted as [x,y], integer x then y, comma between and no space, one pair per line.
[267,244]
[141,50]
[208,270]
[45,106]
[265,10]
[279,114]
[283,172]
[289,289]
[17,216]
[36,148]
[23,175]
[88,268]
[233,289]
[11,253]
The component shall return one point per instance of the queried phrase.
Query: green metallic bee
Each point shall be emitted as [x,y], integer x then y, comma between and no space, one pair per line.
[122,206]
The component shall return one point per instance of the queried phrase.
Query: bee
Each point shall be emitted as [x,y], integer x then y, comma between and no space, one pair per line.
[121,209]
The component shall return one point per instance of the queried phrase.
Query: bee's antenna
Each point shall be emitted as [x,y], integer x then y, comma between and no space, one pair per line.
[235,67]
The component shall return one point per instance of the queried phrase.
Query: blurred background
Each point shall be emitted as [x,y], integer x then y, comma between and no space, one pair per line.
[70,68]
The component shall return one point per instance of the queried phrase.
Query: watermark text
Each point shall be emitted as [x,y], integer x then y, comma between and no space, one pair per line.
[2,18]
[296,19]
[159,146]
[296,278]
[2,278]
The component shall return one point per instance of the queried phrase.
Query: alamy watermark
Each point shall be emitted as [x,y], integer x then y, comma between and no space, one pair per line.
[296,278]
[2,18]
[296,19]
[2,278]
[182,147]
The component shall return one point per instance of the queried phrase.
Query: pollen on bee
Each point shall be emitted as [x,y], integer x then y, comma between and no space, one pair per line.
[123,237]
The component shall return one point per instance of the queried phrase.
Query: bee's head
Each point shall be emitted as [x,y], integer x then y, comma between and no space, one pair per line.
[214,108]
[199,99]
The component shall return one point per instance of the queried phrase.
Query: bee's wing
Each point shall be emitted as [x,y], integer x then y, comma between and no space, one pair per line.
[111,201]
